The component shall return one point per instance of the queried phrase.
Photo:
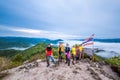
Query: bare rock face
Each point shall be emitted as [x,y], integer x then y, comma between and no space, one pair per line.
[94,74]
[99,68]
[26,66]
[88,51]
[86,60]
[3,74]
[116,69]
[80,71]
[95,64]
[102,63]
[119,71]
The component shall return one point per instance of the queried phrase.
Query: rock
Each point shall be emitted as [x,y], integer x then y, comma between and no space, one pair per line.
[94,74]
[26,70]
[107,75]
[86,60]
[60,77]
[20,68]
[119,71]
[75,72]
[28,66]
[84,71]
[92,64]
[116,69]
[43,60]
[101,63]
[78,68]
[38,60]
[95,64]
[26,62]
[88,51]
[102,71]
[3,74]
[32,65]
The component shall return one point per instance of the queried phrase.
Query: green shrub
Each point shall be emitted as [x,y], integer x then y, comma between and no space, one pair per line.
[9,53]
[113,61]
[35,57]
[17,58]
[38,49]
[13,64]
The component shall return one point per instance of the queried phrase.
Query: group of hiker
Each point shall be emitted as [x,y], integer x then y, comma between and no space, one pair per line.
[75,53]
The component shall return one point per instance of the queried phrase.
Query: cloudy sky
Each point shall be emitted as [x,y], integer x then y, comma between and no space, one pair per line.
[60,18]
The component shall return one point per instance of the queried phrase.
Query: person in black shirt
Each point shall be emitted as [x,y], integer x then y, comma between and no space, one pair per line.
[67,53]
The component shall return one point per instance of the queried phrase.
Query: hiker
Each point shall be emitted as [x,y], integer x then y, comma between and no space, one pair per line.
[81,51]
[73,54]
[67,54]
[77,54]
[61,51]
[49,55]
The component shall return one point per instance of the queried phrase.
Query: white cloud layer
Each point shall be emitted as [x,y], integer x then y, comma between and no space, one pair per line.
[36,33]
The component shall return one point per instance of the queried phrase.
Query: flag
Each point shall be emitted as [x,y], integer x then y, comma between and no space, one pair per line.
[89,41]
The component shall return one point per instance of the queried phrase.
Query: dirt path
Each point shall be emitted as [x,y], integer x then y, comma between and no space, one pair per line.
[80,71]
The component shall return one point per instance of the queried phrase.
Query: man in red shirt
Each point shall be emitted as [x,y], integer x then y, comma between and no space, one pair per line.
[49,56]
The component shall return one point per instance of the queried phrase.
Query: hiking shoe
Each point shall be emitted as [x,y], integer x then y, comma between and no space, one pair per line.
[68,64]
[48,65]
[73,63]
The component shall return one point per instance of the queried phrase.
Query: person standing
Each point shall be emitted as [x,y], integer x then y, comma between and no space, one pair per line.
[81,51]
[61,51]
[73,54]
[49,56]
[77,54]
[67,54]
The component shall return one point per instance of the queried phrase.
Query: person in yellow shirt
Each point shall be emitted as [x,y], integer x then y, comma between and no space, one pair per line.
[73,54]
[81,50]
[61,51]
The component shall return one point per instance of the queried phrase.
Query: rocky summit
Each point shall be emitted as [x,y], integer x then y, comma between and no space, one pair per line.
[84,70]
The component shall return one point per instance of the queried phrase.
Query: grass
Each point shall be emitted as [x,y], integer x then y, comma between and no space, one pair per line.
[113,61]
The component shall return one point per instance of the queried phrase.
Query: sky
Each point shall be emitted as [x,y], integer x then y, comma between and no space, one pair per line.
[60,18]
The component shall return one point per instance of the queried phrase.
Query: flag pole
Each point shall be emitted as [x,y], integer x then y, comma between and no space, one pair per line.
[93,57]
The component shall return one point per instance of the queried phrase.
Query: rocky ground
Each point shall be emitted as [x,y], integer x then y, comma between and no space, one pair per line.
[84,70]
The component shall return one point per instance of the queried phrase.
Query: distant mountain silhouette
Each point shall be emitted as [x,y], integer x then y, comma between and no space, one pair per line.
[23,42]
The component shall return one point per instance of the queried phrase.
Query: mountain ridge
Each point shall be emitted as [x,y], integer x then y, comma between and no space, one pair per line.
[23,42]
